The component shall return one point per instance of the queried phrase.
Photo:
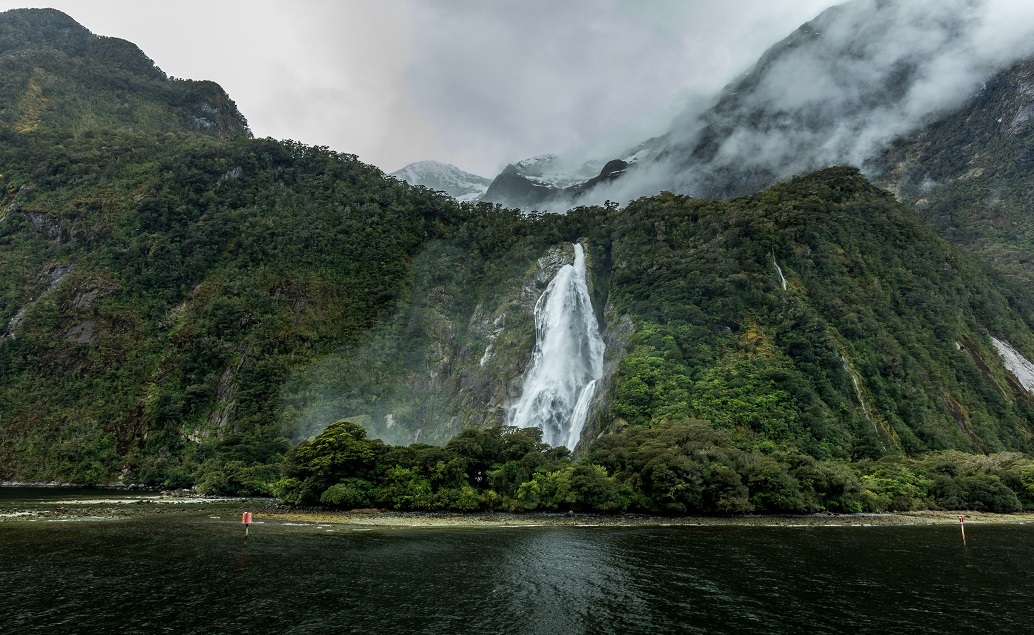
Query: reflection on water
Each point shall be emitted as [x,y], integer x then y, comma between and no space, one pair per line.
[195,574]
[563,582]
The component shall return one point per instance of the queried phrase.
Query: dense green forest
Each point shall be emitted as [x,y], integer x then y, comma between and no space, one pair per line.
[184,305]
[670,468]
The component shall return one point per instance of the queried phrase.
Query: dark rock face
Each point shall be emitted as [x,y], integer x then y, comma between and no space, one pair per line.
[512,189]
[613,169]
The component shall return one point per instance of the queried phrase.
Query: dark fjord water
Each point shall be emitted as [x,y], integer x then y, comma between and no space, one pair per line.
[190,573]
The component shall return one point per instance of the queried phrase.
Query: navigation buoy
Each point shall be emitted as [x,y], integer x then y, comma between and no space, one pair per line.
[246,520]
[962,526]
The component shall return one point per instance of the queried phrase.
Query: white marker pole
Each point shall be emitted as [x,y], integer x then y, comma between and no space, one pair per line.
[962,526]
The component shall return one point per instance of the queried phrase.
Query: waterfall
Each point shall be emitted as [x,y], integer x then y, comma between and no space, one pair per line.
[780,270]
[861,398]
[567,361]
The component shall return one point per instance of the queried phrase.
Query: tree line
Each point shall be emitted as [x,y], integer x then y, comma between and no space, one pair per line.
[685,467]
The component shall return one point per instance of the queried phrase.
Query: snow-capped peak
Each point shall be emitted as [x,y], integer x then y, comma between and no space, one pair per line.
[444,177]
[553,171]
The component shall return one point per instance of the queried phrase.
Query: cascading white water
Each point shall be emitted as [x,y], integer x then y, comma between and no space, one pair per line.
[782,278]
[567,361]
[861,398]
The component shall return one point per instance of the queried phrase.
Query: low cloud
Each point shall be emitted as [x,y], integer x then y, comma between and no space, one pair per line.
[482,84]
[506,80]
[836,91]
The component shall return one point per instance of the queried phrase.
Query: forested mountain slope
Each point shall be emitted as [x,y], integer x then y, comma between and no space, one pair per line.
[969,174]
[812,347]
[157,292]
[179,302]
[57,76]
[818,311]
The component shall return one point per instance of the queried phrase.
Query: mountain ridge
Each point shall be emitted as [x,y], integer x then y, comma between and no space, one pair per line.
[445,177]
[57,75]
[873,75]
[968,173]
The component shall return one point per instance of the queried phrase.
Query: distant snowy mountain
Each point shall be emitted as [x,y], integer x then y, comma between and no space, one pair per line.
[552,171]
[551,182]
[463,186]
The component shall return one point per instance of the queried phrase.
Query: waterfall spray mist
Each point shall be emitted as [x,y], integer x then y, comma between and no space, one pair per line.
[567,361]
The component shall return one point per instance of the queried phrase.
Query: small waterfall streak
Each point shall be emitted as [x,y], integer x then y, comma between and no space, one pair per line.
[780,270]
[861,399]
[567,360]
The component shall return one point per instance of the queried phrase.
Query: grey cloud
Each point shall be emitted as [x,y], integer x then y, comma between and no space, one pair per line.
[481,84]
[506,80]
[472,82]
[835,92]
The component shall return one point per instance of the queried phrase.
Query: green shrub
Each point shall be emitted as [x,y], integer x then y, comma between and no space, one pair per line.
[348,494]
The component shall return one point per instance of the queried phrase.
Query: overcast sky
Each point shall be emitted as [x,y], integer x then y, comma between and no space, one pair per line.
[471,82]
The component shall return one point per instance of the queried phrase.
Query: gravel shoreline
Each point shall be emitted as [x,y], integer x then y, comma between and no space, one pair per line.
[267,510]
[421,519]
